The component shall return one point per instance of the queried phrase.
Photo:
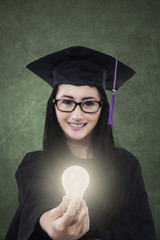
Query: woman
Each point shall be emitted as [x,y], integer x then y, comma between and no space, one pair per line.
[76,133]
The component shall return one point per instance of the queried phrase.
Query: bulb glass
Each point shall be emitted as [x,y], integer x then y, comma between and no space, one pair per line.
[75,181]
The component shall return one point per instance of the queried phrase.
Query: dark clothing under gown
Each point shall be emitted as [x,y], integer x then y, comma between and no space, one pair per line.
[39,183]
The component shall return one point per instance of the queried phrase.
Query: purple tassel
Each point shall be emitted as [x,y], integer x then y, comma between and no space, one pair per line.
[110,118]
[111,108]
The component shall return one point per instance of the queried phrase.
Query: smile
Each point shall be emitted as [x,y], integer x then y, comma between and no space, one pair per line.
[77,125]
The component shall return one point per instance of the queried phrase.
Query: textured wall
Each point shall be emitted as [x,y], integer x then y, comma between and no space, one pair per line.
[128,30]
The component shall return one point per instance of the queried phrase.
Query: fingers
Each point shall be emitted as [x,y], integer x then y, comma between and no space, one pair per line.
[81,225]
[79,219]
[84,227]
[71,211]
[83,218]
[83,211]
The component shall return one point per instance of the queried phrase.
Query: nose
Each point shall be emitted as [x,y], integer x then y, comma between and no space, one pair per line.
[77,114]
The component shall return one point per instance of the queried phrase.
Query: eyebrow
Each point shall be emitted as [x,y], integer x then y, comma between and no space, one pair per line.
[67,96]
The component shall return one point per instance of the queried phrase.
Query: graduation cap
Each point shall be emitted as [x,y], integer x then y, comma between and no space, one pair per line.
[83,66]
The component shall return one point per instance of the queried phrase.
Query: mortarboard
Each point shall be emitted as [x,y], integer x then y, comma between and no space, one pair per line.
[83,66]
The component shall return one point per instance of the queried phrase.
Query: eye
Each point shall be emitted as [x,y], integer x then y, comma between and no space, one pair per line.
[67,102]
[89,103]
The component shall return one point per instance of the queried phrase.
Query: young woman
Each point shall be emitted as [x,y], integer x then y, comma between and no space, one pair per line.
[77,132]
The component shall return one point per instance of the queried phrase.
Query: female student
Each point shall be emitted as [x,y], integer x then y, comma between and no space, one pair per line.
[78,132]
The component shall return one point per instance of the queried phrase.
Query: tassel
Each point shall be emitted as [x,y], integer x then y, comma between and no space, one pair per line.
[111,109]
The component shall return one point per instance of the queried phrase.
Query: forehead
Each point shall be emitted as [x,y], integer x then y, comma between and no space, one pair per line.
[77,91]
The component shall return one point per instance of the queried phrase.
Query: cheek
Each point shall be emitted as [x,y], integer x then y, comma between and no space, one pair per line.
[94,119]
[61,117]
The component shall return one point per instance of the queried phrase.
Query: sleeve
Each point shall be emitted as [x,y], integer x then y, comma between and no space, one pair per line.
[35,197]
[136,222]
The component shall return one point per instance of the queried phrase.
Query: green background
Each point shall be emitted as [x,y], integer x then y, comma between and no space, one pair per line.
[128,30]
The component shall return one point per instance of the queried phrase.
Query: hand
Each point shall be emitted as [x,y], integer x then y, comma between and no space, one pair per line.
[66,223]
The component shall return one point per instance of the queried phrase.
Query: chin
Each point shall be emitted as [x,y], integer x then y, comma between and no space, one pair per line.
[73,138]
[78,138]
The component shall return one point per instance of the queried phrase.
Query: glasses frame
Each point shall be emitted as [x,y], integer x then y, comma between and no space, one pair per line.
[55,101]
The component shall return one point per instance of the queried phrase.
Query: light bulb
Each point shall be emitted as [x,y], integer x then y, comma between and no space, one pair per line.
[75,181]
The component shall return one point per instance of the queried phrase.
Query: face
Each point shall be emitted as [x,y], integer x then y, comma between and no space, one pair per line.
[77,125]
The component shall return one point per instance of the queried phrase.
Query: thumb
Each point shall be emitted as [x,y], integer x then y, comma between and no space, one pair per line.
[63,205]
[58,211]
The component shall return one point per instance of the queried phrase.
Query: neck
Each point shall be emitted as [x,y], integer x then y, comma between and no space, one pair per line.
[81,149]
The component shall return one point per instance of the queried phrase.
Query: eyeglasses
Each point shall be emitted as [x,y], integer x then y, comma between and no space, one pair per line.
[66,105]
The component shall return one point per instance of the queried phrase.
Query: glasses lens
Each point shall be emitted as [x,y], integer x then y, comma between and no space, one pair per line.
[90,106]
[65,105]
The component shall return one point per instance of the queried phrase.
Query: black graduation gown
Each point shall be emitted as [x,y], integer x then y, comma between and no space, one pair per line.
[40,190]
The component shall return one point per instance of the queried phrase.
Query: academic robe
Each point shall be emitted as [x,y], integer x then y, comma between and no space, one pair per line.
[39,183]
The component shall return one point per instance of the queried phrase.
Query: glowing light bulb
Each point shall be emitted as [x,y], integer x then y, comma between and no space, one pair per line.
[75,181]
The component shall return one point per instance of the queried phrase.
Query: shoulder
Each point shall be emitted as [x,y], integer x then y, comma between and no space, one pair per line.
[131,170]
[127,159]
[32,157]
[32,161]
